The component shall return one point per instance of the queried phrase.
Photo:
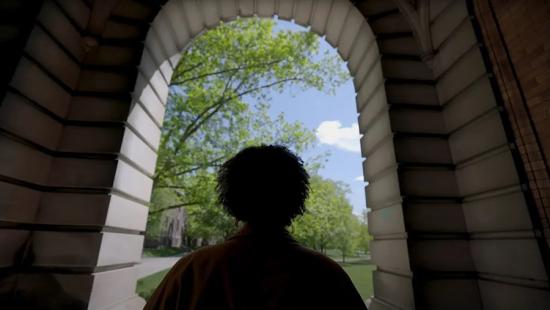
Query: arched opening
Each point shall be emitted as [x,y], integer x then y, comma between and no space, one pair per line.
[264,70]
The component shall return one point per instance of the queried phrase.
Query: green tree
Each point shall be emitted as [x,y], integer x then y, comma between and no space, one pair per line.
[364,238]
[318,226]
[208,118]
[347,232]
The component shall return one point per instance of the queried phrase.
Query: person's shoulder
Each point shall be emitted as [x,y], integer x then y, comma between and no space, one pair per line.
[210,253]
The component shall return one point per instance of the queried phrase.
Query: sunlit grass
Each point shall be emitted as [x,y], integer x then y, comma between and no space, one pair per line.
[359,272]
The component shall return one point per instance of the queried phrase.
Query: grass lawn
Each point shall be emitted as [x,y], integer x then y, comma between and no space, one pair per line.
[360,274]
[146,286]
[163,252]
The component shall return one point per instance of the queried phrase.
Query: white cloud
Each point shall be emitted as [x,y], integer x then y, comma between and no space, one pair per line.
[361,179]
[345,138]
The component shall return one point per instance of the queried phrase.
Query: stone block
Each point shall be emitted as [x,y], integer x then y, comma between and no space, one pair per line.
[13,243]
[89,108]
[142,123]
[505,212]
[111,288]
[353,23]
[372,81]
[105,81]
[174,13]
[393,23]
[493,172]
[377,130]
[30,80]
[391,255]
[435,217]
[362,42]
[73,172]
[246,8]
[406,69]
[512,257]
[127,214]
[302,12]
[422,150]
[113,29]
[386,221]
[133,9]
[61,28]
[447,21]
[478,137]
[406,45]
[436,7]
[464,72]
[79,11]
[266,8]
[132,182]
[165,34]
[394,289]
[319,16]
[473,101]
[54,290]
[194,20]
[382,158]
[383,191]
[19,204]
[111,55]
[417,121]
[138,152]
[457,44]
[91,139]
[149,100]
[69,209]
[14,113]
[229,9]
[412,93]
[26,163]
[442,182]
[336,19]
[59,249]
[451,293]
[373,106]
[505,296]
[443,255]
[44,50]
[118,248]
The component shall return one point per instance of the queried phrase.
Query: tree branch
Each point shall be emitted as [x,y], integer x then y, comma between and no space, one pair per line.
[201,76]
[176,206]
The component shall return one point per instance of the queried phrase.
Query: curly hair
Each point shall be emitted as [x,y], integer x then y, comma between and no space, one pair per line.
[263,185]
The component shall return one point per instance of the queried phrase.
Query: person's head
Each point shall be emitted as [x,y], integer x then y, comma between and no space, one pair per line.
[264,186]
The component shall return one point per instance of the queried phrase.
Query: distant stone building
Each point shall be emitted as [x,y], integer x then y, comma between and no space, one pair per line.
[170,233]
[173,226]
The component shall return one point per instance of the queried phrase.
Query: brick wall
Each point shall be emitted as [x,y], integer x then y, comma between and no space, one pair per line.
[516,38]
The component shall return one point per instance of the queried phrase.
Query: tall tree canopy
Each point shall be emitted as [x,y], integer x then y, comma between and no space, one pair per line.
[219,103]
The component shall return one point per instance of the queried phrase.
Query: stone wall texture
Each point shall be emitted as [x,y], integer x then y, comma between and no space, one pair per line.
[516,36]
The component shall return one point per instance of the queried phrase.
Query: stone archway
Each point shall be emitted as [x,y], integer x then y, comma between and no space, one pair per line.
[78,180]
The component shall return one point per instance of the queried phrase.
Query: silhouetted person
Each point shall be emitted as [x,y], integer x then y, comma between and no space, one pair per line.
[261,267]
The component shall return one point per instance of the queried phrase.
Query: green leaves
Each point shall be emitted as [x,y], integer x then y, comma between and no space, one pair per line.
[209,118]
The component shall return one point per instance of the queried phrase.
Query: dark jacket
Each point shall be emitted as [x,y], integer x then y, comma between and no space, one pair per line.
[256,270]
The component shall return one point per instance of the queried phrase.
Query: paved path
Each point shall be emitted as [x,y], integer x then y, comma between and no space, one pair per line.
[150,265]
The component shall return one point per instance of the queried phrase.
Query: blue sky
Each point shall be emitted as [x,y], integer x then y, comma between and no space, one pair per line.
[334,119]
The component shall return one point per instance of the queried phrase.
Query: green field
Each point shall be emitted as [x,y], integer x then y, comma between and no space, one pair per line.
[162,252]
[360,274]
[146,286]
